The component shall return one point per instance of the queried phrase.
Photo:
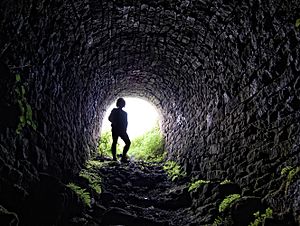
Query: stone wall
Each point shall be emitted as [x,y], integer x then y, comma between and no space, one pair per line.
[224,75]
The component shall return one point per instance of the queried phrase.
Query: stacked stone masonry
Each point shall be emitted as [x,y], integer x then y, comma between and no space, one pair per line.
[223,74]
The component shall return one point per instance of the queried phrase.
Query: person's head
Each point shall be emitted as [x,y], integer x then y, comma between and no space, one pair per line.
[120,103]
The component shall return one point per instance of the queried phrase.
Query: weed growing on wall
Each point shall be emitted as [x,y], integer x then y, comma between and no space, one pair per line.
[228,201]
[297,23]
[291,172]
[149,146]
[218,221]
[25,109]
[193,186]
[261,217]
[82,193]
[174,170]
[226,182]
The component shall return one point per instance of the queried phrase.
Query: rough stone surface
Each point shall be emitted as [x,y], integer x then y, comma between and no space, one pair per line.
[223,74]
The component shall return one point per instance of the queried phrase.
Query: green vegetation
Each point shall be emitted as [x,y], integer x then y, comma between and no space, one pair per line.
[94,164]
[286,170]
[193,186]
[228,201]
[93,179]
[260,218]
[149,146]
[104,144]
[297,23]
[174,170]
[226,182]
[291,172]
[25,109]
[82,193]
[218,221]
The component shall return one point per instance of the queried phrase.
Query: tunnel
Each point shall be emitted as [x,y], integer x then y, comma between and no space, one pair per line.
[223,74]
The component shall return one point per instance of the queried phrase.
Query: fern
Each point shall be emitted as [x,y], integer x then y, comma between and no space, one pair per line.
[193,186]
[93,179]
[260,218]
[82,193]
[228,201]
[174,170]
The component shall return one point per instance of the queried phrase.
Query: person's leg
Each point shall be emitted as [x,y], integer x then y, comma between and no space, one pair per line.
[127,141]
[114,146]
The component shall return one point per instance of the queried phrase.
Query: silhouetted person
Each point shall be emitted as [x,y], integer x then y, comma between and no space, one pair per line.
[118,119]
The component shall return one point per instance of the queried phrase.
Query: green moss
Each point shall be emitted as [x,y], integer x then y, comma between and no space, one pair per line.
[82,193]
[228,201]
[193,186]
[174,170]
[260,218]
[93,179]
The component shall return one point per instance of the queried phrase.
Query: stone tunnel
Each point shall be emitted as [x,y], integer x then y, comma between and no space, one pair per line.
[223,74]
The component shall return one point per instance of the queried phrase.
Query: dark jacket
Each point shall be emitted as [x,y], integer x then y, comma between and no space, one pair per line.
[118,119]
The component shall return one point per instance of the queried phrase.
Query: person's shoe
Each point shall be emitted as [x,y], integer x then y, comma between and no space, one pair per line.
[124,160]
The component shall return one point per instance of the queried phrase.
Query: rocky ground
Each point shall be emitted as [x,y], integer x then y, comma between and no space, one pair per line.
[140,194]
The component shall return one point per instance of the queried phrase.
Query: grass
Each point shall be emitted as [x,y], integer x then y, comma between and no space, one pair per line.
[147,147]
[104,145]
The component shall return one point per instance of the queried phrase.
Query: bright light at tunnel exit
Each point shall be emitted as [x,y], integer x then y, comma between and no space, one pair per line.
[142,116]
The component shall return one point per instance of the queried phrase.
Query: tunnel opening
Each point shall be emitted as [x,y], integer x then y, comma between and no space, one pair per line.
[144,131]
[224,75]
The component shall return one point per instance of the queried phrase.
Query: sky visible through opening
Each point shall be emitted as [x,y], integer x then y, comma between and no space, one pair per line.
[142,116]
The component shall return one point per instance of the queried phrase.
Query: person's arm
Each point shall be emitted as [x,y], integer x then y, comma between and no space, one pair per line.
[126,122]
[111,116]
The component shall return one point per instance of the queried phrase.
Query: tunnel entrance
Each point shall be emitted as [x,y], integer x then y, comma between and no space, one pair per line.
[144,120]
